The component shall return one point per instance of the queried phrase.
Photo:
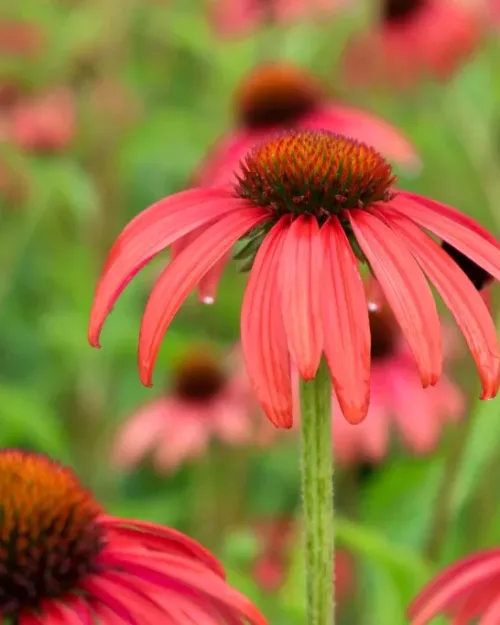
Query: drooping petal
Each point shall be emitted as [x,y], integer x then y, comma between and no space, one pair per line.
[301,279]
[96,587]
[158,537]
[182,275]
[148,234]
[465,579]
[346,326]
[492,616]
[459,295]
[263,337]
[207,287]
[373,130]
[459,230]
[406,290]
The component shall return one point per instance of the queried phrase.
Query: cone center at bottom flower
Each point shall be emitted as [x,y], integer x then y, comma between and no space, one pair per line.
[198,377]
[317,173]
[48,535]
[397,10]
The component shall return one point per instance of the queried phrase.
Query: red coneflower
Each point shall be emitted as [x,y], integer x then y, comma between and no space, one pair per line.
[232,18]
[207,401]
[312,205]
[280,95]
[412,39]
[397,399]
[467,592]
[64,560]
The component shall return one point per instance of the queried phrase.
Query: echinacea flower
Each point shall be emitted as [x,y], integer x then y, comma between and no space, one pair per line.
[46,123]
[64,560]
[414,39]
[232,18]
[397,399]
[467,592]
[207,401]
[310,206]
[280,95]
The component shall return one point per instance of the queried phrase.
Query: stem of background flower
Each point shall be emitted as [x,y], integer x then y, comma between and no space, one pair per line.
[317,496]
[441,521]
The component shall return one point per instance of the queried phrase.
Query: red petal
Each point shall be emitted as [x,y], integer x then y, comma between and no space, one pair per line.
[180,277]
[346,324]
[465,234]
[459,295]
[148,534]
[263,337]
[301,274]
[406,290]
[149,233]
[467,580]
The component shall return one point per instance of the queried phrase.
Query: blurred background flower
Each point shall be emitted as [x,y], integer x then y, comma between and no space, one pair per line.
[107,106]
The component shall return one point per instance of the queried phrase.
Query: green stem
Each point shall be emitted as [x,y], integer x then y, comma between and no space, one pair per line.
[317,496]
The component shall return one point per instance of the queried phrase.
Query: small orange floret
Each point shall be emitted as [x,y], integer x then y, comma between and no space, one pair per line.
[276,94]
[314,172]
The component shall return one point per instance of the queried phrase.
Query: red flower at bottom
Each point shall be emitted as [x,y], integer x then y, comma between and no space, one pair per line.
[310,207]
[64,560]
[467,592]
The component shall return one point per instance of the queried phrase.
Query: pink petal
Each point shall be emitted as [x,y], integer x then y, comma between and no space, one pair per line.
[301,274]
[459,230]
[459,295]
[367,127]
[406,290]
[345,323]
[139,434]
[492,616]
[149,233]
[263,337]
[207,287]
[465,582]
[98,588]
[162,538]
[179,278]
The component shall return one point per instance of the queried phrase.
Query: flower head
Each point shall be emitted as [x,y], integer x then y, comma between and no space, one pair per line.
[62,559]
[467,592]
[207,401]
[43,124]
[310,207]
[237,17]
[397,399]
[279,95]
[413,39]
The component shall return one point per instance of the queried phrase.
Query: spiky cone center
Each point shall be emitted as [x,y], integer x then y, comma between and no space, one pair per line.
[316,173]
[49,538]
[198,377]
[399,10]
[276,94]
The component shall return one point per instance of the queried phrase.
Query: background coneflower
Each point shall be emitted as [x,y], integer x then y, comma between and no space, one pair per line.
[279,95]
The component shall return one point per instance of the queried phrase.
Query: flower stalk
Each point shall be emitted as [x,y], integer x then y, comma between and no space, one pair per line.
[317,496]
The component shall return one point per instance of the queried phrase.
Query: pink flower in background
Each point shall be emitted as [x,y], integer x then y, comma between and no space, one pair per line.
[467,592]
[232,18]
[64,560]
[46,123]
[281,95]
[415,39]
[397,399]
[208,400]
